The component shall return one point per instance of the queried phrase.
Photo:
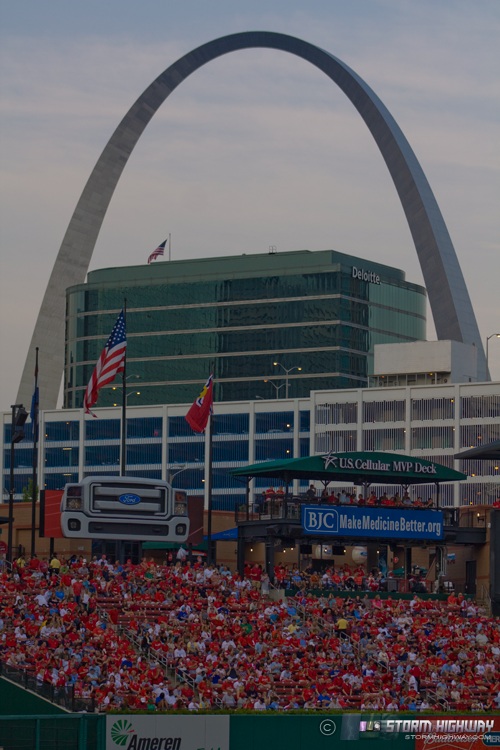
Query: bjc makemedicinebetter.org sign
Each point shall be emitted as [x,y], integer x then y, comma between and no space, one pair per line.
[382,523]
[167,732]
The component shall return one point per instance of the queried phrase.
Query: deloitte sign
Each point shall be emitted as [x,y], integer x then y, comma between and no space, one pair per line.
[167,732]
[362,275]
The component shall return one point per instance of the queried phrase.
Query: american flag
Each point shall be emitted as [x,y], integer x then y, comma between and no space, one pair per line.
[110,363]
[160,250]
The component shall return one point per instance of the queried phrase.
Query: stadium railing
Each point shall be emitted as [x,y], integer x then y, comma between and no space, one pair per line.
[63,696]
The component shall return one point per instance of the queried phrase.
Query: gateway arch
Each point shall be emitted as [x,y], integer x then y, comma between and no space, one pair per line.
[448,295]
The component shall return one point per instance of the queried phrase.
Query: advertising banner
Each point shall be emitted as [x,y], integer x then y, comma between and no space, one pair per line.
[379,523]
[270,729]
[469,732]
[50,514]
[132,732]
[323,731]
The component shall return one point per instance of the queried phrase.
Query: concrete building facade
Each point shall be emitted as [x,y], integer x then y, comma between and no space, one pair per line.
[431,422]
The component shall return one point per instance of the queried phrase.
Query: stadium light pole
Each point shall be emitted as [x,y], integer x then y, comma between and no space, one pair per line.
[19,417]
[493,335]
[287,371]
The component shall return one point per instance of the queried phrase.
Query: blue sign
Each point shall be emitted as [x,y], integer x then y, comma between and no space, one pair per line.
[129,499]
[381,523]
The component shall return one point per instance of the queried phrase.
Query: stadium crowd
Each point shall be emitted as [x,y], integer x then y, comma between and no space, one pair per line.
[271,497]
[195,636]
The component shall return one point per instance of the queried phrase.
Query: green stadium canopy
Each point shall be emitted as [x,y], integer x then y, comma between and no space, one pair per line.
[358,468]
[482,452]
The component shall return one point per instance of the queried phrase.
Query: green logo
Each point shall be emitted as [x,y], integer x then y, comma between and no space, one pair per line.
[121,731]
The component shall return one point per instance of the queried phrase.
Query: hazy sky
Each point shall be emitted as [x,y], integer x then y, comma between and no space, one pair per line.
[257,148]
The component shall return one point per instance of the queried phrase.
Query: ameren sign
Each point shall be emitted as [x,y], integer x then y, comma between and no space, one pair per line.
[387,523]
[139,732]
[362,275]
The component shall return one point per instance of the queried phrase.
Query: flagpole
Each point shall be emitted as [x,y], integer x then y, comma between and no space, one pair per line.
[169,246]
[200,419]
[123,444]
[10,531]
[209,489]
[34,478]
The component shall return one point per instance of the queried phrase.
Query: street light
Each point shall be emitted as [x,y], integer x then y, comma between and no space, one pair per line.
[493,335]
[287,371]
[174,470]
[129,377]
[275,386]
[130,393]
[127,395]
[123,438]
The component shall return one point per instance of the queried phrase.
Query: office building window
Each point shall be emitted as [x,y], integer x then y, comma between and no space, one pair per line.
[473,435]
[57,481]
[62,431]
[273,423]
[425,409]
[337,413]
[144,427]
[340,441]
[102,429]
[480,407]
[426,438]
[230,424]
[384,411]
[387,439]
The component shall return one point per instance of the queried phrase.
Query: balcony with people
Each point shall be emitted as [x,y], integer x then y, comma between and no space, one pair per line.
[279,503]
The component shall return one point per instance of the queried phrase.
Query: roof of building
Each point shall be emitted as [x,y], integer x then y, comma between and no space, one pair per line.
[240,266]
[357,467]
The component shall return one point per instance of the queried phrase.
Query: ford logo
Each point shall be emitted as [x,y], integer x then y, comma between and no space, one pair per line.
[129,499]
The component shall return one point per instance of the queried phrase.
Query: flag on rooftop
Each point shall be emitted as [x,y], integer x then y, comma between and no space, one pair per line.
[160,250]
[198,414]
[110,363]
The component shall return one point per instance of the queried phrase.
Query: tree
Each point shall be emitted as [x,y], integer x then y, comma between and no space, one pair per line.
[28,492]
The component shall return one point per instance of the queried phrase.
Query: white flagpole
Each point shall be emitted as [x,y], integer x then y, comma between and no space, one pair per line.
[169,246]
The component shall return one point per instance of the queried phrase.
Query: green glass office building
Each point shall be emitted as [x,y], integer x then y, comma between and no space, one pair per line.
[316,313]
